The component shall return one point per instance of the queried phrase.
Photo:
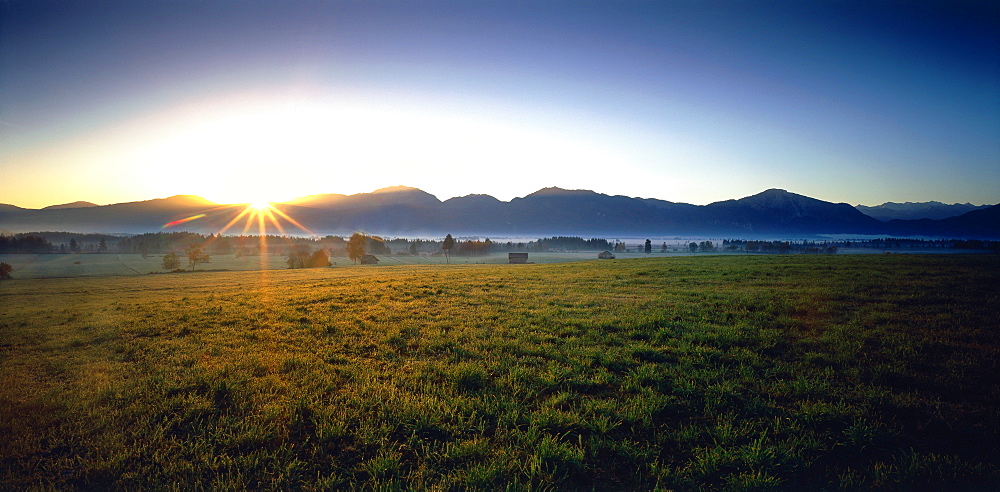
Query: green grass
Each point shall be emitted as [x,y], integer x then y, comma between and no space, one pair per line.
[731,372]
[34,266]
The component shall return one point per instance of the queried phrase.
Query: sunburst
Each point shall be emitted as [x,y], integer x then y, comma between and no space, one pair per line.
[261,218]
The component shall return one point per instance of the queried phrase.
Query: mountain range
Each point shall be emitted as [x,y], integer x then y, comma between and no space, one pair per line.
[916,211]
[405,211]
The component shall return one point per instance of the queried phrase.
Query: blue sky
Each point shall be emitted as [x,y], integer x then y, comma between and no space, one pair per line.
[857,102]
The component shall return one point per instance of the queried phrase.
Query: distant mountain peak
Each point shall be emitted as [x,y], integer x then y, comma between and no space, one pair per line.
[319,200]
[775,198]
[557,191]
[932,203]
[402,194]
[475,197]
[918,210]
[191,199]
[176,200]
[79,204]
[399,189]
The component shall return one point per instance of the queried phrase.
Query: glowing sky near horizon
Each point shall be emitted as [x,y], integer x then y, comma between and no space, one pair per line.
[857,102]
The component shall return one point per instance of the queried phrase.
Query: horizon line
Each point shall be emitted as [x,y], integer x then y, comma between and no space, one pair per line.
[402,188]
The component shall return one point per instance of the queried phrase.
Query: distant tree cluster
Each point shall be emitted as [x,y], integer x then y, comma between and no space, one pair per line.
[359,245]
[24,244]
[571,243]
[376,245]
[977,244]
[196,254]
[447,246]
[164,242]
[301,256]
[474,248]
[356,246]
[171,262]
[779,247]
[161,243]
[5,270]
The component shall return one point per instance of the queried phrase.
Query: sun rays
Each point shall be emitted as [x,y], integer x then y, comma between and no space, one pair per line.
[258,218]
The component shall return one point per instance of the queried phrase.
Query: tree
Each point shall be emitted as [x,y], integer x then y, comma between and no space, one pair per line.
[448,243]
[301,257]
[376,246]
[319,259]
[298,256]
[74,246]
[171,262]
[663,249]
[413,249]
[103,246]
[649,247]
[356,246]
[693,247]
[5,269]
[196,254]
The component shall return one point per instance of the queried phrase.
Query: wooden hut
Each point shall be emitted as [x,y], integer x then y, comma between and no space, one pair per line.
[369,260]
[517,257]
[606,255]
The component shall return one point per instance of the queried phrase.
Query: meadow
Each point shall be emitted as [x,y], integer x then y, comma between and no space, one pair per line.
[687,372]
[117,264]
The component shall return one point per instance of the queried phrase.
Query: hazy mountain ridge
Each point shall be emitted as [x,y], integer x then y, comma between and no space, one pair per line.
[981,223]
[776,211]
[317,201]
[918,210]
[401,210]
[71,205]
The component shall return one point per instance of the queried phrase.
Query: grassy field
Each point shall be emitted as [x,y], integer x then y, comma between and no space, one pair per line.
[729,372]
[29,266]
[99,265]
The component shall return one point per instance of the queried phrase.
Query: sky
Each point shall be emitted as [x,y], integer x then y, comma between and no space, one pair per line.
[695,102]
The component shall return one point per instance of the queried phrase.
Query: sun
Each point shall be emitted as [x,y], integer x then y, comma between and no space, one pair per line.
[247,216]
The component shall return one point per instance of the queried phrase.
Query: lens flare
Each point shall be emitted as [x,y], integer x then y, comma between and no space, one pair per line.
[182,221]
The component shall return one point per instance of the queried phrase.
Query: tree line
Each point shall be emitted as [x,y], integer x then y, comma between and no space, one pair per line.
[25,244]
[161,243]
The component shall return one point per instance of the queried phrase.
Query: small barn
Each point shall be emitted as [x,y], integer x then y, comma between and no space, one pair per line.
[517,257]
[369,260]
[606,255]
